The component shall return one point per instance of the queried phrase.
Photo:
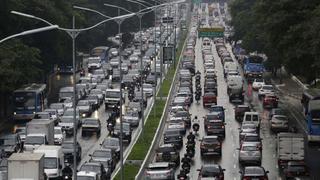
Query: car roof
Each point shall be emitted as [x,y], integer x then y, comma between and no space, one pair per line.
[158,164]
[254,170]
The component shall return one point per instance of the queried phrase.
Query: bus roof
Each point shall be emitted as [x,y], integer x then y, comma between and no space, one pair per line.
[32,88]
[312,93]
[314,105]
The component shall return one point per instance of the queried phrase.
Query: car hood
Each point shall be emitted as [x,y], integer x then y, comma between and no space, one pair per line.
[7,148]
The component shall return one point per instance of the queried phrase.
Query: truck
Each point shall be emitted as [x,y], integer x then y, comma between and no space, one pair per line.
[253,67]
[290,147]
[26,166]
[53,160]
[235,88]
[38,132]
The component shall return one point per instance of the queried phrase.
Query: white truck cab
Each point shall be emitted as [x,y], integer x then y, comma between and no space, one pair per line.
[53,160]
[252,117]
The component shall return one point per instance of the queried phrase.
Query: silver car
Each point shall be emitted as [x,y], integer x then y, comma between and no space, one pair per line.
[279,123]
[148,89]
[249,154]
[160,170]
[132,117]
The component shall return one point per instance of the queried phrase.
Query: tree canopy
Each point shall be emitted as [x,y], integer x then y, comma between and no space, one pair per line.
[285,30]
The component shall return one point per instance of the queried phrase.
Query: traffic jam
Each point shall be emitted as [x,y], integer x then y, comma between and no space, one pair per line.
[101,90]
[224,120]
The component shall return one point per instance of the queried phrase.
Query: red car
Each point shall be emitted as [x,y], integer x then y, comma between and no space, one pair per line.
[270,101]
[209,99]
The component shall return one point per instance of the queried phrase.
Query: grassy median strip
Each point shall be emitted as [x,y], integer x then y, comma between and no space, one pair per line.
[140,149]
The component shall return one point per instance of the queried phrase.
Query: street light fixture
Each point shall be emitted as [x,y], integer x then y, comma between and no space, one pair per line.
[73,33]
[32,31]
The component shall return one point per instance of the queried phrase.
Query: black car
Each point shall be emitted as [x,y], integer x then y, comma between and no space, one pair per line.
[67,149]
[173,136]
[91,125]
[168,153]
[95,167]
[10,144]
[127,131]
[211,171]
[239,111]
[113,144]
[106,156]
[216,127]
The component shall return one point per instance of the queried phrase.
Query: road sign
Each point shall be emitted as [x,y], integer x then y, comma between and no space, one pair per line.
[167,55]
[211,32]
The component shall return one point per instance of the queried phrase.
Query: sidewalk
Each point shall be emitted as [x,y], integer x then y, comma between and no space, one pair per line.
[287,85]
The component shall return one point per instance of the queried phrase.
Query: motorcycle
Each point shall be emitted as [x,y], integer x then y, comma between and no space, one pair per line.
[197,97]
[182,176]
[196,127]
[191,152]
[186,167]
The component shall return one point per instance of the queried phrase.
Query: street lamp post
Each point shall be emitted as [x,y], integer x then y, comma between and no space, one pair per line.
[73,33]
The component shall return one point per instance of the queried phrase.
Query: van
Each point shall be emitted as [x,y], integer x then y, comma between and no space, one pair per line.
[65,93]
[53,160]
[206,43]
[252,117]
[229,66]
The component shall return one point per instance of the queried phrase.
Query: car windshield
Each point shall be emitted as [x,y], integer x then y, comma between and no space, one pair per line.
[69,112]
[255,117]
[251,138]
[90,168]
[91,121]
[172,133]
[209,171]
[83,103]
[20,131]
[7,142]
[248,126]
[34,140]
[67,146]
[282,118]
[210,140]
[94,60]
[57,131]
[147,86]
[212,116]
[267,87]
[50,163]
[67,120]
[113,94]
[249,148]
[85,178]
[104,154]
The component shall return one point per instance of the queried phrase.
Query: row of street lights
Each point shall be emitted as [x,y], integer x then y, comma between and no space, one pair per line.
[73,33]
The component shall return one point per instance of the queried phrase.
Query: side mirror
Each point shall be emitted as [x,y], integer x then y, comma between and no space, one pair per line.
[237,148]
[223,169]
[240,172]
[90,155]
[267,172]
[60,166]
[198,169]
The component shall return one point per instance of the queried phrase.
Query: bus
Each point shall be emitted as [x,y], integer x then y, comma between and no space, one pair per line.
[313,121]
[102,52]
[28,100]
[307,96]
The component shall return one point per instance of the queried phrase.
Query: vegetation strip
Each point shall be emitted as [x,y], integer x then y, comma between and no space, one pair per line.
[140,149]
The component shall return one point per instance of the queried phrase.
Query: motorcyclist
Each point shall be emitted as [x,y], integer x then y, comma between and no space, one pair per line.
[186,159]
[198,72]
[191,137]
[67,172]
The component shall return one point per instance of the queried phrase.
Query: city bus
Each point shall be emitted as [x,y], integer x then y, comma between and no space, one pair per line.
[28,100]
[313,120]
[307,96]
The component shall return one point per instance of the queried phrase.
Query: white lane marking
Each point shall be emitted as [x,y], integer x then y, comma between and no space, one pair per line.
[234,178]
[274,155]
[234,154]
[234,166]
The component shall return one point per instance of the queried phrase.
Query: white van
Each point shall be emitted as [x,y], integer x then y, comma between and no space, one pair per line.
[229,66]
[252,117]
[53,160]
[206,43]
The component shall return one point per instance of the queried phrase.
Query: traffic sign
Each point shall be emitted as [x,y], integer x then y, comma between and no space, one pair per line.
[211,32]
[167,55]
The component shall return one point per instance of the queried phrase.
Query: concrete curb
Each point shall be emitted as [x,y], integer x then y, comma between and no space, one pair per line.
[294,78]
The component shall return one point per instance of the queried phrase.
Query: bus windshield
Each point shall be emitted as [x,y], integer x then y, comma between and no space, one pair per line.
[255,59]
[25,100]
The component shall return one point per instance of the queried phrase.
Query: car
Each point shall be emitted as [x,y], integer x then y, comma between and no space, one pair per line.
[168,153]
[175,109]
[9,144]
[94,101]
[112,143]
[209,99]
[257,84]
[87,175]
[148,89]
[219,109]
[67,149]
[67,125]
[270,101]
[132,117]
[210,145]
[172,136]
[177,124]
[46,115]
[296,169]
[254,172]
[138,97]
[58,135]
[252,138]
[53,114]
[181,101]
[239,111]
[160,170]
[85,108]
[265,89]
[185,115]
[99,93]
[216,127]
[59,107]
[106,156]
[96,168]
[247,128]
[276,111]
[208,171]
[249,154]
[90,125]
[127,131]
[252,117]
[279,123]
[185,93]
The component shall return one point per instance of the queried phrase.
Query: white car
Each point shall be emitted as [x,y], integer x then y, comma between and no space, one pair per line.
[257,84]
[148,89]
[58,135]
[265,89]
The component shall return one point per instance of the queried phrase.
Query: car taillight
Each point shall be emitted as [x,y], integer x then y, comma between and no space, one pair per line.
[222,126]
[202,145]
[246,178]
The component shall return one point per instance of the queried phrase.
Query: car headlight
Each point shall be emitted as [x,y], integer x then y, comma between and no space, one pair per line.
[83,115]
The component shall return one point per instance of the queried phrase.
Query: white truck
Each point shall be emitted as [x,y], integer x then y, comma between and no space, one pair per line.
[53,160]
[26,166]
[235,88]
[290,147]
[38,132]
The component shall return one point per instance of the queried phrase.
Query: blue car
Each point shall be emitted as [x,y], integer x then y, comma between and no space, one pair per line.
[219,109]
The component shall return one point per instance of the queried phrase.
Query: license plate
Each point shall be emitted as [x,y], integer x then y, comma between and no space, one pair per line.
[255,179]
[210,150]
